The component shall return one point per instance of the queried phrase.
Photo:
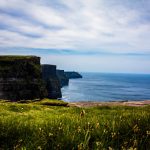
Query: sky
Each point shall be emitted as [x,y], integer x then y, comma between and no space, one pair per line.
[80,35]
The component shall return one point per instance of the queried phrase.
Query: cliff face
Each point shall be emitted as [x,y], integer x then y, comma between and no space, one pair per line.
[73,75]
[64,80]
[51,80]
[20,78]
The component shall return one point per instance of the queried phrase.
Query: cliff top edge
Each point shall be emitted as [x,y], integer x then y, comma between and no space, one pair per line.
[16,57]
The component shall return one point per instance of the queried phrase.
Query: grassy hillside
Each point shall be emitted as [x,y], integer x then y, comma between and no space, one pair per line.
[50,124]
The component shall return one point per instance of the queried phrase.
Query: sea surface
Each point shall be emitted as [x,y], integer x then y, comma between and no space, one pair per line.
[108,87]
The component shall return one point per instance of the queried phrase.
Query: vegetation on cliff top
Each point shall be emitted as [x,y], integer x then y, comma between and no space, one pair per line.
[15,57]
[38,125]
[20,66]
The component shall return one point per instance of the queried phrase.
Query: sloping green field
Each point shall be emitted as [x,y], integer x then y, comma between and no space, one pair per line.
[50,124]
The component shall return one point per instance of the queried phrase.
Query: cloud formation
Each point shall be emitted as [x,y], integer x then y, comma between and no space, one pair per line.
[75,26]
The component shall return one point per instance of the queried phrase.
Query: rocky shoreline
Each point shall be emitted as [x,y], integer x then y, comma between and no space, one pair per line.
[114,103]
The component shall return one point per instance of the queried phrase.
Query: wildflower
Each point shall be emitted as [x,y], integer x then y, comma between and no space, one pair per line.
[82,113]
[135,142]
[98,143]
[50,134]
[123,148]
[80,146]
[39,148]
[60,128]
[97,125]
[125,143]
[136,128]
[110,148]
[105,131]
[58,145]
[113,134]
[148,132]
[79,129]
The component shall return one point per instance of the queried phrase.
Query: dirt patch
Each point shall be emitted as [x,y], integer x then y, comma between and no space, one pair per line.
[122,103]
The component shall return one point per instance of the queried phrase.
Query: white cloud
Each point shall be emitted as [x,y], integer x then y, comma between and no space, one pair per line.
[84,24]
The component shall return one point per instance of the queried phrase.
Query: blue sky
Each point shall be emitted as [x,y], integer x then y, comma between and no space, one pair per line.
[82,35]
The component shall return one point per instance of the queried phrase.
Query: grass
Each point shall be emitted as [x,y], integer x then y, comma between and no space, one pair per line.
[49,124]
[15,57]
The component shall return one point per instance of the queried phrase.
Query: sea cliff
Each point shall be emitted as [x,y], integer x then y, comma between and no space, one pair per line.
[20,78]
[24,78]
[51,80]
[64,80]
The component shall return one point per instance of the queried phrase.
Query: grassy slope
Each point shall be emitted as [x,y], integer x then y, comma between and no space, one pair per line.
[38,125]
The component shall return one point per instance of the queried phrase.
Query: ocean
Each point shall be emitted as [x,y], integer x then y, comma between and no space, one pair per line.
[108,87]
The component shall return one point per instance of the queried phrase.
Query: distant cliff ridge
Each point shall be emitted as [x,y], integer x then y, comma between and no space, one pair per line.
[20,78]
[64,80]
[73,74]
[52,82]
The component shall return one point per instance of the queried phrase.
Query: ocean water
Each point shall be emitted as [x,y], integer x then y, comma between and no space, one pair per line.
[108,87]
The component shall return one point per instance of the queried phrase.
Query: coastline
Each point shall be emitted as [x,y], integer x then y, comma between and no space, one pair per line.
[114,103]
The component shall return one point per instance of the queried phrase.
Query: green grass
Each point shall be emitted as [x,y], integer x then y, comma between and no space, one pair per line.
[49,124]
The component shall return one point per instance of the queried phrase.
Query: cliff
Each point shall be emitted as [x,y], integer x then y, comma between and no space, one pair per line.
[51,80]
[20,78]
[64,80]
[73,75]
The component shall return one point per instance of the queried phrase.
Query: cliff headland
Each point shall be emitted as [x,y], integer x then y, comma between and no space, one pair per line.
[24,78]
[51,80]
[72,74]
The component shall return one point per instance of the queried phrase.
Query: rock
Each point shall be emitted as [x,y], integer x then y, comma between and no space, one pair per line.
[64,80]
[51,80]
[73,75]
[21,78]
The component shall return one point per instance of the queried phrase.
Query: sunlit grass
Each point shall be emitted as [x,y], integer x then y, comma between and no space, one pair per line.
[38,125]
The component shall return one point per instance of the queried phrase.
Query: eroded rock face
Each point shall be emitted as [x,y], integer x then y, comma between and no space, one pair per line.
[51,80]
[64,80]
[21,78]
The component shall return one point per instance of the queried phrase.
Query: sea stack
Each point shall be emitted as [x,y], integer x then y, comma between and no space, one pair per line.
[21,78]
[52,82]
[64,80]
